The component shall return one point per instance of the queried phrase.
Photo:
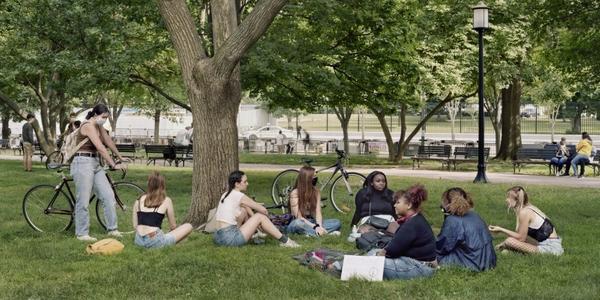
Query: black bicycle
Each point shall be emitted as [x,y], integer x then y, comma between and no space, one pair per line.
[49,208]
[342,190]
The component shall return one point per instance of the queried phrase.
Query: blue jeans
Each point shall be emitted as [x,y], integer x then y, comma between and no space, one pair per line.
[230,236]
[579,159]
[300,227]
[558,161]
[403,267]
[158,240]
[89,177]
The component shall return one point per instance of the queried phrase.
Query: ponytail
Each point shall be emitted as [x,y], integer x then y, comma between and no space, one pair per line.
[234,177]
[97,110]
[457,201]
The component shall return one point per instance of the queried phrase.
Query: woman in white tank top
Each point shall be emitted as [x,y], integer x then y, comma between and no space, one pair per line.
[238,217]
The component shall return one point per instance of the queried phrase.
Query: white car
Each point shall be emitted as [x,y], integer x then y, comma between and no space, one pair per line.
[268,132]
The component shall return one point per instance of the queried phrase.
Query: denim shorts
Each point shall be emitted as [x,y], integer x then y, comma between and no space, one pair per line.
[230,236]
[158,240]
[551,246]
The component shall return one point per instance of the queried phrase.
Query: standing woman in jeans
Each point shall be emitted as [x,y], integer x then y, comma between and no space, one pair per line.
[89,176]
[305,205]
[411,253]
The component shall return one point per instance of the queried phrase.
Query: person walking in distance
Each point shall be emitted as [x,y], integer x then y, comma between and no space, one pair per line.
[27,135]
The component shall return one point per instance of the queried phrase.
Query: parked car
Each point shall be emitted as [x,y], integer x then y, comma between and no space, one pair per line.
[268,132]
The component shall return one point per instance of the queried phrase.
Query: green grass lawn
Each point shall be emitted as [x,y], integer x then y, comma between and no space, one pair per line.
[36,265]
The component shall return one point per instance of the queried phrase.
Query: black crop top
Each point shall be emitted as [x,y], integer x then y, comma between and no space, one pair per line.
[153,218]
[543,233]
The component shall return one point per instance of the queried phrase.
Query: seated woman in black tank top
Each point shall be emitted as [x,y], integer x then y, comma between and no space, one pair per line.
[149,212]
[531,222]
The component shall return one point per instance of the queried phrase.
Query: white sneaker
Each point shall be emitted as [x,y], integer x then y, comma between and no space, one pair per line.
[86,238]
[259,234]
[335,233]
[115,233]
[289,244]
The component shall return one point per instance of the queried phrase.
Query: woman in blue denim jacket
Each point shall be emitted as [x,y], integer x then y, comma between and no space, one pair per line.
[464,239]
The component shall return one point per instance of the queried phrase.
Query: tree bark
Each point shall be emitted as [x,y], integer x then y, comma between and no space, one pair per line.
[344,114]
[156,126]
[213,88]
[5,128]
[386,132]
[511,121]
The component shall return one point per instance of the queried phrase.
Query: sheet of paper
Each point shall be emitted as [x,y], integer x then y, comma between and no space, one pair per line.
[363,267]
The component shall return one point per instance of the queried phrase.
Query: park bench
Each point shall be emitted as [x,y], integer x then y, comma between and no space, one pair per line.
[4,143]
[467,155]
[182,154]
[432,153]
[38,151]
[533,156]
[127,150]
[154,152]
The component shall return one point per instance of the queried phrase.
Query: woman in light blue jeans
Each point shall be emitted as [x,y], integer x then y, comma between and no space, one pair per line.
[305,206]
[89,176]
[404,267]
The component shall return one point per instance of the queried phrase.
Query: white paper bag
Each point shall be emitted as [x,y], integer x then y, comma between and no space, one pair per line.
[363,267]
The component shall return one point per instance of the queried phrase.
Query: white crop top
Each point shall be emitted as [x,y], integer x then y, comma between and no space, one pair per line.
[229,208]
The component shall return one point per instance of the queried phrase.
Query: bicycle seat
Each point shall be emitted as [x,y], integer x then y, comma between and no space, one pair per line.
[340,153]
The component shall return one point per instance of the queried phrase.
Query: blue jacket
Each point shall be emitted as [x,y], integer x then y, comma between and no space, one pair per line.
[465,241]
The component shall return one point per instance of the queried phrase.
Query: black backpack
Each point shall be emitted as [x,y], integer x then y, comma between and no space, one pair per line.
[373,240]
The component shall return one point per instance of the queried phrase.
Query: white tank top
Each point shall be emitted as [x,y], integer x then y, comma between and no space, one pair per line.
[229,208]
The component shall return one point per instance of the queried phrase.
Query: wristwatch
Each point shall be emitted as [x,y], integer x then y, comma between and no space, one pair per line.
[316,225]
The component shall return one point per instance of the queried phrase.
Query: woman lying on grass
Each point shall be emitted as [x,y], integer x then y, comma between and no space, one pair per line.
[531,222]
[305,205]
[411,253]
[149,212]
[238,217]
[464,239]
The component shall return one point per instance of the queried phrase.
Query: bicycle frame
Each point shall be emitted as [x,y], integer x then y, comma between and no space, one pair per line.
[338,168]
[57,190]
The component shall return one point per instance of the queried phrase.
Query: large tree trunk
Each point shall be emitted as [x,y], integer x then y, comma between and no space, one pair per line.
[386,132]
[5,128]
[343,114]
[511,121]
[156,126]
[213,88]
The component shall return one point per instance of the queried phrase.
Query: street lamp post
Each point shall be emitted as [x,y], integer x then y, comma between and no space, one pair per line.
[480,24]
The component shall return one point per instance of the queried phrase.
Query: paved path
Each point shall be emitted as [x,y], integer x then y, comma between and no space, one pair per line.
[590,182]
[593,182]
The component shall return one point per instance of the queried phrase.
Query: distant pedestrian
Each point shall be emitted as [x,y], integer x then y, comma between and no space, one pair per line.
[306,140]
[298,132]
[183,137]
[279,141]
[28,139]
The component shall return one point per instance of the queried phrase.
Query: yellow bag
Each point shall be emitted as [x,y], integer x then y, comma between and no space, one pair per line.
[105,247]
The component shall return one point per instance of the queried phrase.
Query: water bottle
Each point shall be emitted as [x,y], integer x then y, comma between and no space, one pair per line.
[354,234]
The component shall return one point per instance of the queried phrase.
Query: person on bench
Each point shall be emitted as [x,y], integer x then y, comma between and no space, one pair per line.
[374,199]
[238,217]
[464,239]
[584,152]
[562,153]
[531,222]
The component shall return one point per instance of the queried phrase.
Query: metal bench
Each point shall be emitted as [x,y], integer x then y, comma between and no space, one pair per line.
[182,154]
[154,152]
[129,150]
[432,153]
[467,155]
[533,156]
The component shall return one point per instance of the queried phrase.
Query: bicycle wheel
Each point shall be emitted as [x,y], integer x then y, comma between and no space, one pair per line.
[343,191]
[127,193]
[42,216]
[53,160]
[282,186]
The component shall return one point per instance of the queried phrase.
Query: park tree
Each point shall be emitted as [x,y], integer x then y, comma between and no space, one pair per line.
[209,62]
[58,55]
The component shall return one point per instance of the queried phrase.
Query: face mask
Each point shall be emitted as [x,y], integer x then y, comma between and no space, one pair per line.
[315,180]
[101,122]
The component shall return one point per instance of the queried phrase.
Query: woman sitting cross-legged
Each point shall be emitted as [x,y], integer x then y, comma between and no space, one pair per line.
[411,253]
[531,222]
[464,239]
[148,213]
[239,217]
[374,199]
[305,205]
